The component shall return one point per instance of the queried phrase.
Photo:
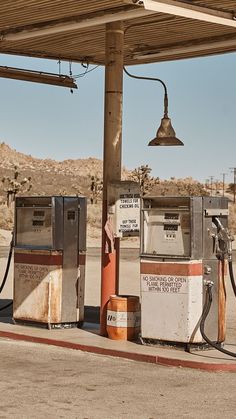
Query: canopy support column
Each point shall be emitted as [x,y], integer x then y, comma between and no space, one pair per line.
[111,157]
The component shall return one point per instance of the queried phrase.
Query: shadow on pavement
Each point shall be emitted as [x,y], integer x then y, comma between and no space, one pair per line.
[91,313]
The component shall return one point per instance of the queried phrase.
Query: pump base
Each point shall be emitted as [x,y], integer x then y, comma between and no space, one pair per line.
[48,326]
[187,347]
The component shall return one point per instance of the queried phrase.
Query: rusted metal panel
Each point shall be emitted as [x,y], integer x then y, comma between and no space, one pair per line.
[38,259]
[191,268]
[37,293]
[55,297]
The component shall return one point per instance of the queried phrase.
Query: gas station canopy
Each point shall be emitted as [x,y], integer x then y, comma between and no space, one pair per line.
[155,31]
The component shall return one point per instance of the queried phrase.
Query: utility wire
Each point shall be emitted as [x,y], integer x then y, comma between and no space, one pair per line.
[76,76]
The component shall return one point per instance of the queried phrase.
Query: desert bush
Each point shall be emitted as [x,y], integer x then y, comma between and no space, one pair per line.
[179,187]
[6,217]
[94,215]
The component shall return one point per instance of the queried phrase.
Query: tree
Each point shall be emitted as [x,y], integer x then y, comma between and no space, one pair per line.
[141,175]
[96,186]
[14,186]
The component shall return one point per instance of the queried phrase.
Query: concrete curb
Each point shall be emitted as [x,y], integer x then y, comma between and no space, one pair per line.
[160,360]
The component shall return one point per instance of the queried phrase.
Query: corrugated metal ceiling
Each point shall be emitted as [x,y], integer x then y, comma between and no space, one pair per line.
[148,36]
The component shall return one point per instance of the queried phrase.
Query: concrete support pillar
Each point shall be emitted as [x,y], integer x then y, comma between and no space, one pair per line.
[112,155]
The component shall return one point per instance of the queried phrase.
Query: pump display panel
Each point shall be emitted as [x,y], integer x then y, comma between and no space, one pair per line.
[35,227]
[166,229]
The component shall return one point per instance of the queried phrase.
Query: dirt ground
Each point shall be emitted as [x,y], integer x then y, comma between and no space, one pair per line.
[38,381]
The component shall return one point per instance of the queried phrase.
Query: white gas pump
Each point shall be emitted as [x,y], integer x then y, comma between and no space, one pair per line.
[183,248]
[49,260]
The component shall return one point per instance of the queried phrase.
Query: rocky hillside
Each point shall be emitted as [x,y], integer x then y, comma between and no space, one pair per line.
[81,167]
[49,176]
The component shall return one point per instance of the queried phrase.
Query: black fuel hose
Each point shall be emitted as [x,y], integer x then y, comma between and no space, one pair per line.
[7,267]
[6,274]
[6,306]
[205,313]
[231,275]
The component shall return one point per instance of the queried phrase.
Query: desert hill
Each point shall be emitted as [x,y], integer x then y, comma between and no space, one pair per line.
[83,167]
[72,177]
[49,176]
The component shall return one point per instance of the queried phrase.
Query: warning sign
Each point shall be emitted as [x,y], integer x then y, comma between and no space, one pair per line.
[164,284]
[31,272]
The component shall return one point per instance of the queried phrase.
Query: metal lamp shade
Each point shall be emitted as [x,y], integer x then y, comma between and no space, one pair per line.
[165,134]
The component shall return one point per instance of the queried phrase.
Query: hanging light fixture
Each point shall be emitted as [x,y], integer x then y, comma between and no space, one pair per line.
[165,135]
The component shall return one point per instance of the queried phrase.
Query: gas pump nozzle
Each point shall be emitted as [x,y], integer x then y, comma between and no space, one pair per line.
[224,248]
[223,241]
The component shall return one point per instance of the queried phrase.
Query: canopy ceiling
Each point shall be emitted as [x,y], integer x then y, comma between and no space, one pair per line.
[74,30]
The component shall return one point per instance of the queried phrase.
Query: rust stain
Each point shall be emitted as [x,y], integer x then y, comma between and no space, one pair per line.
[221,301]
[55,298]
[38,259]
[172,268]
[81,259]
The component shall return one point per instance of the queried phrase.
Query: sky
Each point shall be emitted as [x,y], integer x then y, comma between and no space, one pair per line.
[50,122]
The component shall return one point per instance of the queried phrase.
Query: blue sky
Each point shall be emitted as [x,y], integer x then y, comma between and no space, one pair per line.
[50,122]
